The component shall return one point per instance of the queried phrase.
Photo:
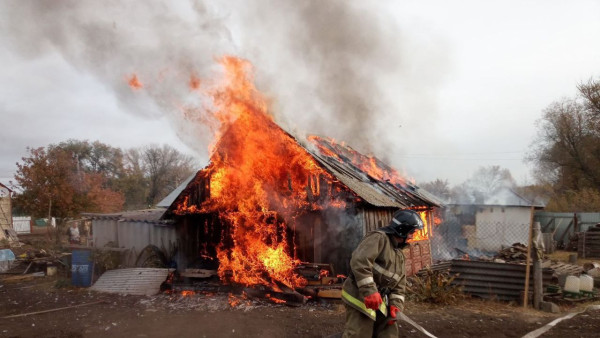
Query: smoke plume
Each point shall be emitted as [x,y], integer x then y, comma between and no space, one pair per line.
[343,69]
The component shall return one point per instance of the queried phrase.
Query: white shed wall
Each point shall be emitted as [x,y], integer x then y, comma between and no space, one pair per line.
[498,227]
[22,224]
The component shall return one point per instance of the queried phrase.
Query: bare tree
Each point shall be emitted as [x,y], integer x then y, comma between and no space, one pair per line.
[165,169]
[567,150]
[590,92]
[485,182]
[439,188]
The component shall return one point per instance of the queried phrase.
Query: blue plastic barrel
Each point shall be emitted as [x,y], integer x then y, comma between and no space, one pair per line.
[82,268]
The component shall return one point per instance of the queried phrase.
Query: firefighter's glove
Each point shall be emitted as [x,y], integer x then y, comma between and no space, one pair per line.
[373,301]
[393,312]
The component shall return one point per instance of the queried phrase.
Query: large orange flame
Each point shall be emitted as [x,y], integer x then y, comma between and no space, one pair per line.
[260,180]
[425,233]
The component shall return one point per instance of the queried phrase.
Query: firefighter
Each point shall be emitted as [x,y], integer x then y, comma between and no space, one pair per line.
[375,289]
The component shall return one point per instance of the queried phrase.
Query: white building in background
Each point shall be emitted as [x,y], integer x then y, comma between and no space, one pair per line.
[498,222]
[22,224]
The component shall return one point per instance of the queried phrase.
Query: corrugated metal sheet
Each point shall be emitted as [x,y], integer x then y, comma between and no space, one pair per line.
[148,216]
[104,231]
[503,281]
[136,281]
[375,192]
[561,223]
[132,235]
[133,230]
[138,235]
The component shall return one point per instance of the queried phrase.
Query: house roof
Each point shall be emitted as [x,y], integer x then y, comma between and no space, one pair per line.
[143,216]
[506,197]
[380,193]
[167,201]
[4,186]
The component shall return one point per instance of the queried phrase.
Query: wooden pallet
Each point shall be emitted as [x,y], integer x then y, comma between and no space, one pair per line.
[561,268]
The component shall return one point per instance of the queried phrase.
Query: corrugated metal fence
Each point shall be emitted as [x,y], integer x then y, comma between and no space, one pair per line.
[502,281]
[562,224]
[133,235]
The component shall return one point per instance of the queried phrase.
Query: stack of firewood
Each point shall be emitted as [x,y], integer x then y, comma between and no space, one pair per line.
[515,253]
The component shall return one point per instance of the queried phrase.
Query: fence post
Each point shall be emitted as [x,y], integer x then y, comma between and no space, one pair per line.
[527,267]
[537,265]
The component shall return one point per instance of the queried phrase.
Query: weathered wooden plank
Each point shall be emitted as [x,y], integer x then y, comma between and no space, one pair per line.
[330,293]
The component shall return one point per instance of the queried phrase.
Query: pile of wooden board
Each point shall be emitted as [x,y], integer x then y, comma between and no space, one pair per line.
[588,243]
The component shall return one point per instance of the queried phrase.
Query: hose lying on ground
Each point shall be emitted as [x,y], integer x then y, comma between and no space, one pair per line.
[545,328]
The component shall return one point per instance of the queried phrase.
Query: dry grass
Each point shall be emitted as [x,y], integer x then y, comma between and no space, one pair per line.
[434,287]
[563,256]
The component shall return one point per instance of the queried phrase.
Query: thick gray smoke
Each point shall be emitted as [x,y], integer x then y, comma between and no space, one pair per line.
[343,69]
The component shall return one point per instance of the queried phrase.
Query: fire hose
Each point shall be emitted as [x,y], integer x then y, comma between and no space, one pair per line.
[403,317]
[415,325]
[545,328]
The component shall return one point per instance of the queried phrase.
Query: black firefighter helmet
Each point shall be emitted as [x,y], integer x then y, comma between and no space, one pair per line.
[403,223]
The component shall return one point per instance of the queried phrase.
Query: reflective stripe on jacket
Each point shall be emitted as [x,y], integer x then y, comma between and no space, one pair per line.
[360,305]
[376,265]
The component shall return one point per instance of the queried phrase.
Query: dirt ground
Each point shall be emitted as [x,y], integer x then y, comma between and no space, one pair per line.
[53,308]
[91,314]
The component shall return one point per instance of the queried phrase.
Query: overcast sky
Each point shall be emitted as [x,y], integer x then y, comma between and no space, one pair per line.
[435,88]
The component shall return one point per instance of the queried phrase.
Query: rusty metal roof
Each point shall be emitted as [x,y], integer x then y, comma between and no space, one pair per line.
[379,193]
[373,191]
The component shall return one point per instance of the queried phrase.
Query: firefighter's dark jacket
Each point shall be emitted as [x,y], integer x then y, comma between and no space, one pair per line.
[377,266]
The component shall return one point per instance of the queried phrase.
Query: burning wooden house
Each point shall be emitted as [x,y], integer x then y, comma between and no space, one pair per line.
[269,201]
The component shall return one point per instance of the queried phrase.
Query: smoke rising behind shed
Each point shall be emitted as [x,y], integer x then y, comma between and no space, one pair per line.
[342,69]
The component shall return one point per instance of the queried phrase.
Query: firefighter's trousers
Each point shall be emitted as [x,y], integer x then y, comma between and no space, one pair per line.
[359,325]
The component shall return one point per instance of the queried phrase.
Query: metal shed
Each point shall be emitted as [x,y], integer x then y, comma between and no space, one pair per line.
[132,230]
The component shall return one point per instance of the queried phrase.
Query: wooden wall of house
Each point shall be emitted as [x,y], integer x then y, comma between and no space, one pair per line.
[327,236]
[330,236]
[374,218]
[198,239]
